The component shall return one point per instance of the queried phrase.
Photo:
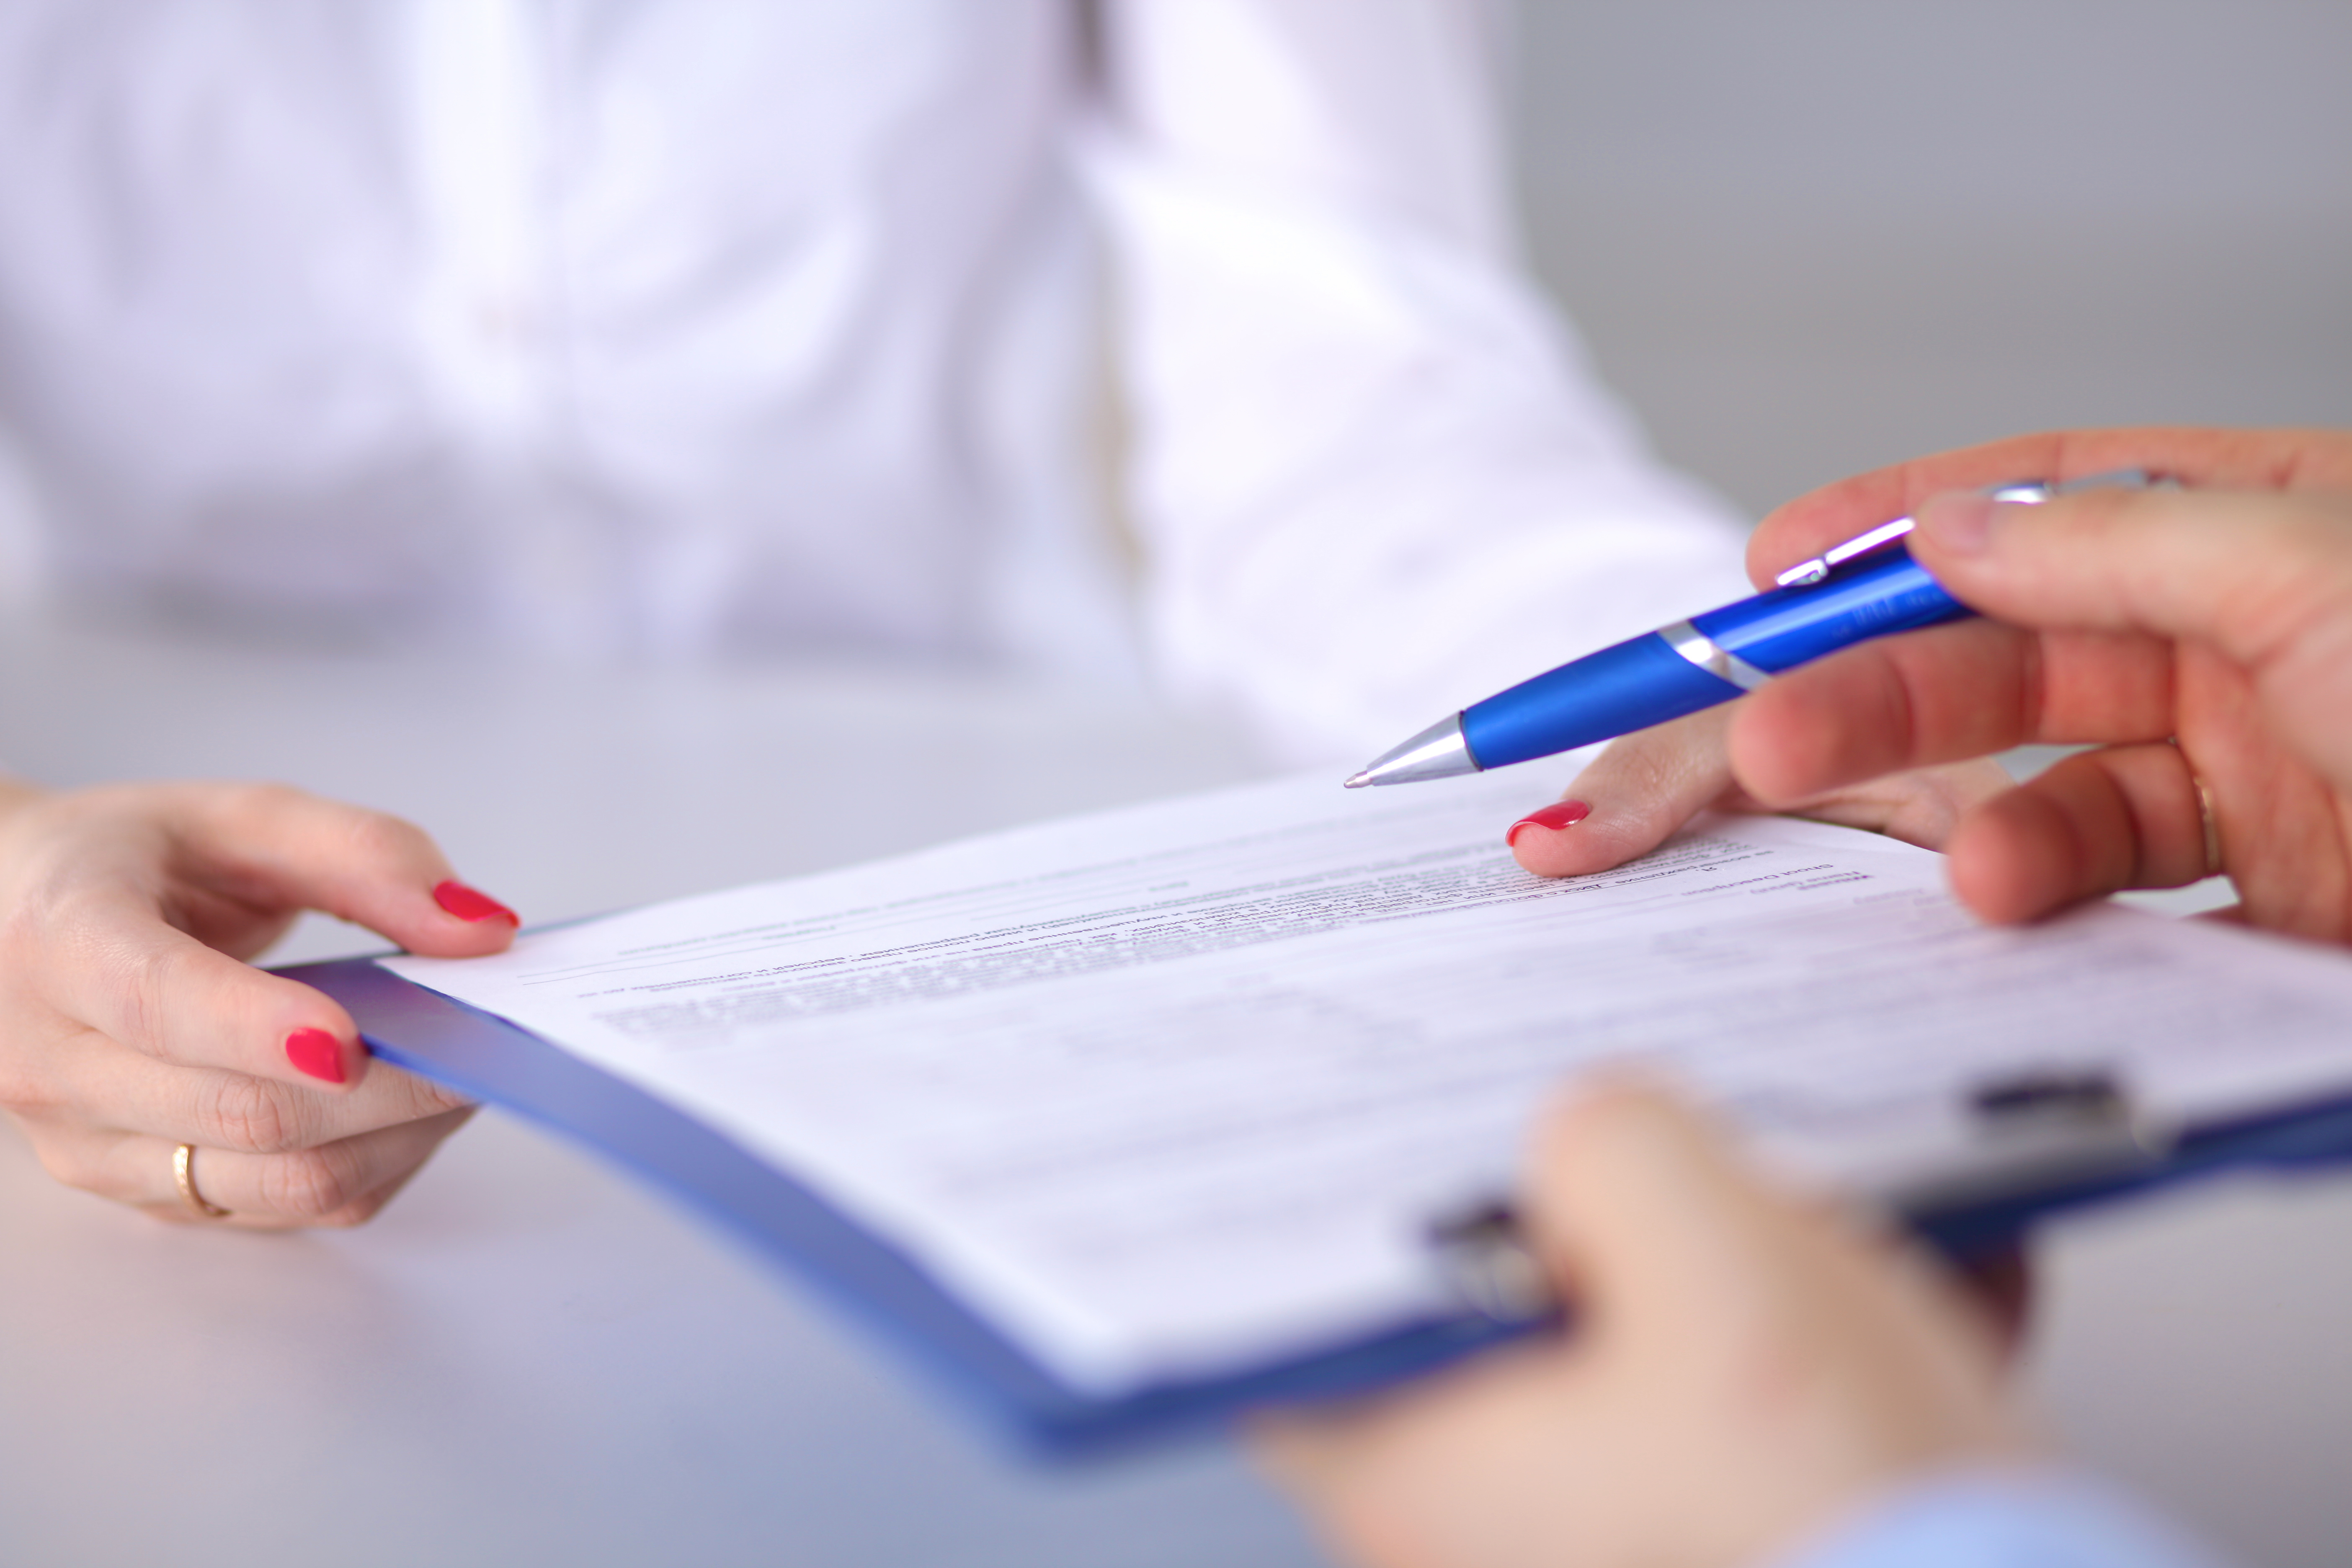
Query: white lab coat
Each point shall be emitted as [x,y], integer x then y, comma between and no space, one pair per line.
[943,328]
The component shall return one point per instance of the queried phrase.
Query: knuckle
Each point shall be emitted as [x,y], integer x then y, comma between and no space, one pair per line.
[424,1098]
[27,1093]
[379,838]
[248,1115]
[1654,764]
[358,1212]
[53,923]
[317,1185]
[250,812]
[264,800]
[30,919]
[146,980]
[71,1163]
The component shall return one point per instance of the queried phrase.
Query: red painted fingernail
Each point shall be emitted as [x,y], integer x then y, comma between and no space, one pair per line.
[1566,814]
[467,904]
[318,1053]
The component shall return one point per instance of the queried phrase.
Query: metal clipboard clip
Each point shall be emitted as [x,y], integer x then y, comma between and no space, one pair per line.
[1484,1252]
[2028,1133]
[2038,1131]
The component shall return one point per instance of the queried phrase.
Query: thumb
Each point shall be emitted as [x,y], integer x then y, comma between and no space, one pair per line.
[1630,799]
[372,869]
[1644,1204]
[2263,578]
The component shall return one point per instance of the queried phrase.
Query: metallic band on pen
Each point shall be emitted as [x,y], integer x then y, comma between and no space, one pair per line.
[1701,651]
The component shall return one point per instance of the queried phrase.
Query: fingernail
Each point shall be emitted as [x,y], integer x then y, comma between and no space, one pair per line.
[467,904]
[1566,814]
[1960,521]
[317,1052]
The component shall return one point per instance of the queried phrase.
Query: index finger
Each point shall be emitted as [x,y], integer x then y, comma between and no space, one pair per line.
[115,930]
[112,965]
[1941,695]
[2200,457]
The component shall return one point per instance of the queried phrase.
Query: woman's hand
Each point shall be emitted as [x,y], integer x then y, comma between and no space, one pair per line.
[2198,638]
[129,1023]
[1637,793]
[1743,1372]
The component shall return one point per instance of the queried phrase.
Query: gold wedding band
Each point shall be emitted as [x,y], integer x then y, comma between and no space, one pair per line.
[184,1173]
[2212,826]
[2205,818]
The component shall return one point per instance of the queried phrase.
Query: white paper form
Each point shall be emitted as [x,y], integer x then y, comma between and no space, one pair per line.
[1178,1090]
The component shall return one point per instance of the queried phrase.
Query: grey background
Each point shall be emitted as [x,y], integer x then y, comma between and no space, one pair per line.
[1816,236]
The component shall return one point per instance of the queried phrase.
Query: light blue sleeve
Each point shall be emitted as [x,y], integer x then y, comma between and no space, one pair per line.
[2006,1519]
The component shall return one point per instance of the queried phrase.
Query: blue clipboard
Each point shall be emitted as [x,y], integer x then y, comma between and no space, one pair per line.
[488,1058]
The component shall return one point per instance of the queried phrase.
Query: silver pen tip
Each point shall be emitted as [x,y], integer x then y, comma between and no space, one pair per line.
[1358,781]
[1437,753]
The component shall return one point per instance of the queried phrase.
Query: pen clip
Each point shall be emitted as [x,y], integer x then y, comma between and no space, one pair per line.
[1486,1257]
[2023,492]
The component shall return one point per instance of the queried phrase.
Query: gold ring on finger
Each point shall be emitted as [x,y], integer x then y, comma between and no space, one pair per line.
[2211,824]
[2205,816]
[184,1175]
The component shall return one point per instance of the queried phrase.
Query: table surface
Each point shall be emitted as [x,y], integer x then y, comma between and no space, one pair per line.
[529,1359]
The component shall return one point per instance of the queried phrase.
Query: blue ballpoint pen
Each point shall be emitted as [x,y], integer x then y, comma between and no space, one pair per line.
[1866,588]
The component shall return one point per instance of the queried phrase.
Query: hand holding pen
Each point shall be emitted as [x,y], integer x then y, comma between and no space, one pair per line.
[2201,638]
[1855,589]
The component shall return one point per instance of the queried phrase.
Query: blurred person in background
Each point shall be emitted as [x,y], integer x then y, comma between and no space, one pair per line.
[599,331]
[1754,1380]
[611,331]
